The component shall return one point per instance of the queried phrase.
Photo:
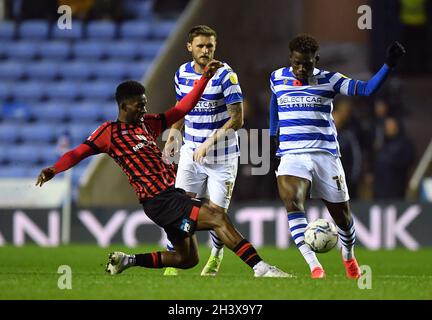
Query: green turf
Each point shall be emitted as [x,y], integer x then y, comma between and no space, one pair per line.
[31,273]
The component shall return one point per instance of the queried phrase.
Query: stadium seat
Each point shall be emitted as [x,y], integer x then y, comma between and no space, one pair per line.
[109,112]
[149,49]
[48,154]
[34,29]
[69,90]
[14,171]
[75,70]
[21,50]
[140,9]
[5,90]
[7,30]
[79,133]
[126,50]
[4,153]
[8,133]
[54,50]
[28,90]
[25,154]
[42,70]
[11,70]
[84,112]
[102,90]
[49,112]
[104,30]
[162,29]
[15,111]
[37,133]
[115,70]
[137,70]
[76,32]
[93,50]
[135,30]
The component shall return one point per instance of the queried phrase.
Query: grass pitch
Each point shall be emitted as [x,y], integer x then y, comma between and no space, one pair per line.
[30,272]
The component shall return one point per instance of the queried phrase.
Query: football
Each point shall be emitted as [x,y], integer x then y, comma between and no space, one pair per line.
[321,235]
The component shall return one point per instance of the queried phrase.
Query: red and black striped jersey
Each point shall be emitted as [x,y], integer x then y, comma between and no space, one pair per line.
[134,149]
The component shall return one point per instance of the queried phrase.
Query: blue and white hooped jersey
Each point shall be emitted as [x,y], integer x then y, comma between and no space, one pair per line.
[305,110]
[211,112]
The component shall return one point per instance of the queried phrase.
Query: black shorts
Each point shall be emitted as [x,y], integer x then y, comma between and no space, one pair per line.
[175,212]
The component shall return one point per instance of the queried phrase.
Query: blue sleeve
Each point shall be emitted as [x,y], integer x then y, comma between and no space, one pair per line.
[274,117]
[367,88]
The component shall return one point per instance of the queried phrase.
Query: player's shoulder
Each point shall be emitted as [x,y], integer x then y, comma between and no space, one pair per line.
[184,68]
[278,73]
[223,71]
[104,127]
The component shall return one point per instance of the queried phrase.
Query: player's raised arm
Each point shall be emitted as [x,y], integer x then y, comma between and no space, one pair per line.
[191,99]
[68,160]
[367,88]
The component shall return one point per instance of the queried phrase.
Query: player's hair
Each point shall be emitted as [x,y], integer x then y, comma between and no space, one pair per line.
[201,30]
[128,89]
[304,43]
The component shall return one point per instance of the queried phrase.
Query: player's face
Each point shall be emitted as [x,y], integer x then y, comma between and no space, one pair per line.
[202,49]
[136,109]
[303,64]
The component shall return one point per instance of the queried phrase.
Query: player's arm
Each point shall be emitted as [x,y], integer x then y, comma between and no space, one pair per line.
[367,88]
[273,124]
[185,105]
[173,141]
[67,161]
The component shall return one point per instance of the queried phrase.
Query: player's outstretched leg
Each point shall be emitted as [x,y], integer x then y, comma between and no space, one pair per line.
[212,266]
[342,216]
[292,191]
[209,218]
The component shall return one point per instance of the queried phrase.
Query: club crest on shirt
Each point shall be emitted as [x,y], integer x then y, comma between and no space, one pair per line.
[233,78]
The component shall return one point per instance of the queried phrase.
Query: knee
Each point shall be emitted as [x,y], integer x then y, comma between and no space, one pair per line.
[188,262]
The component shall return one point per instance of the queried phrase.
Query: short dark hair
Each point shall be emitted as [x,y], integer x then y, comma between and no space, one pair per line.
[304,43]
[201,30]
[128,89]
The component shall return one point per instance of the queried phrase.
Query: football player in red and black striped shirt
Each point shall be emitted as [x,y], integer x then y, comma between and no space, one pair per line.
[131,142]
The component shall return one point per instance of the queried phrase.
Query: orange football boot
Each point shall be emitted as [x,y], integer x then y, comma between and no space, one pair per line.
[318,273]
[352,268]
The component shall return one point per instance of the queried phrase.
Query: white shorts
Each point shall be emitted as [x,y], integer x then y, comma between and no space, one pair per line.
[211,181]
[323,170]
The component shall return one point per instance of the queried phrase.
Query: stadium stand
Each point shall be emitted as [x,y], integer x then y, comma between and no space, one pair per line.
[57,82]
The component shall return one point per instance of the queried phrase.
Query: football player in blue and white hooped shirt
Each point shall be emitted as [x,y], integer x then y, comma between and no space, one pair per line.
[209,156]
[300,110]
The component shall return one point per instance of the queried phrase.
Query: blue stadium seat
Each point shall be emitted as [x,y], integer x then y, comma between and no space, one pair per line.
[109,112]
[137,70]
[115,70]
[34,29]
[149,49]
[28,90]
[69,34]
[49,112]
[5,90]
[162,29]
[15,111]
[25,154]
[54,50]
[14,171]
[11,70]
[68,90]
[101,30]
[84,112]
[102,90]
[42,70]
[4,153]
[139,9]
[37,133]
[8,133]
[49,153]
[7,30]
[89,50]
[122,50]
[79,132]
[21,50]
[76,70]
[135,30]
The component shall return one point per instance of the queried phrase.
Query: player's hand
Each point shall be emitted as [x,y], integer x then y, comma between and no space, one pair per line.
[45,175]
[200,152]
[211,68]
[171,148]
[394,52]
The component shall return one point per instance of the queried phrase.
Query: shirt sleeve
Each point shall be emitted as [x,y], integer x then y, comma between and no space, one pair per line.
[231,88]
[156,123]
[100,139]
[342,84]
[178,92]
